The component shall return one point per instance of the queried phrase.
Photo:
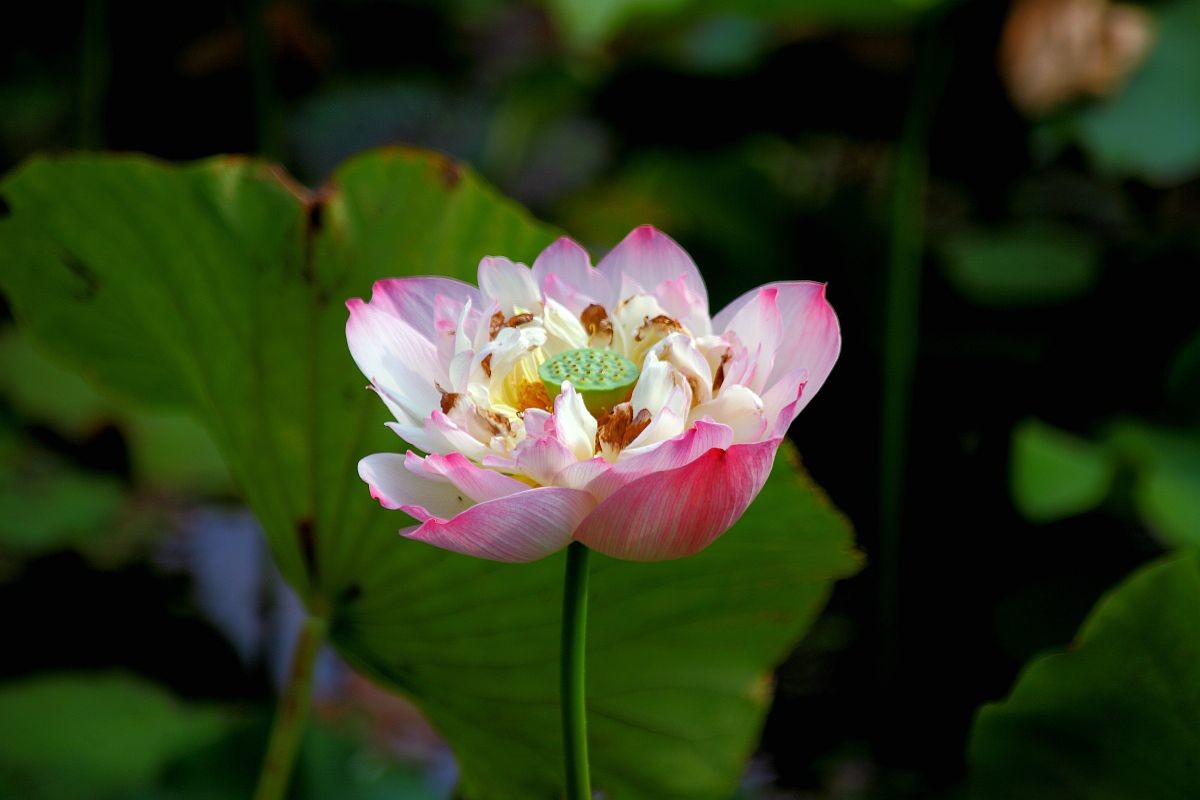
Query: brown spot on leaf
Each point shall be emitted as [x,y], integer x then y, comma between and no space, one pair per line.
[306,536]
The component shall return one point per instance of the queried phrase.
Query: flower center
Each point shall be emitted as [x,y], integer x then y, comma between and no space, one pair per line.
[602,378]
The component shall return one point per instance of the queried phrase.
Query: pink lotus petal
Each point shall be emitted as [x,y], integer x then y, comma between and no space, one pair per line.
[671,454]
[647,258]
[511,285]
[681,511]
[416,300]
[475,482]
[812,336]
[521,527]
[386,348]
[396,486]
[759,325]
[565,273]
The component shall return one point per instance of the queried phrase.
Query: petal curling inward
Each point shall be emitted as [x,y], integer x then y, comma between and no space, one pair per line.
[521,527]
[679,512]
[647,257]
[397,487]
[812,332]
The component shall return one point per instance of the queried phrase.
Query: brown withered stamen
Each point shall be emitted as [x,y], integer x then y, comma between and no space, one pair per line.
[719,378]
[518,319]
[497,423]
[619,427]
[495,324]
[595,320]
[533,395]
[487,365]
[662,321]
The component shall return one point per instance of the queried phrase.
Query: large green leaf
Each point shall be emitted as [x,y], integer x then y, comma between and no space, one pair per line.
[218,288]
[1115,717]
[89,736]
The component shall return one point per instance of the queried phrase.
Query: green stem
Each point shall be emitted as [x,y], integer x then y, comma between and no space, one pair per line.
[292,713]
[574,656]
[901,318]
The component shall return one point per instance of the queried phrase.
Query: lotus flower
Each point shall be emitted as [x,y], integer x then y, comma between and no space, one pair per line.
[575,403]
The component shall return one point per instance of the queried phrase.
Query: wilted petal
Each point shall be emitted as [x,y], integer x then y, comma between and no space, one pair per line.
[681,511]
[648,257]
[521,527]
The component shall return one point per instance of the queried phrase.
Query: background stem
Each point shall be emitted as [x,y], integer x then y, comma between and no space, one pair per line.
[292,713]
[901,323]
[574,656]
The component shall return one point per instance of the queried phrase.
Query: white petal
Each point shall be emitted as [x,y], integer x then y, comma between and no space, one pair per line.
[564,331]
[679,350]
[739,408]
[574,424]
[511,285]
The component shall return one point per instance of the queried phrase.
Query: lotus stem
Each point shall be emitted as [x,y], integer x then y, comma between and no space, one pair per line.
[292,714]
[574,657]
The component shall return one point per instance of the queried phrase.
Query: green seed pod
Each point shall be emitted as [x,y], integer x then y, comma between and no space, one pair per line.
[602,378]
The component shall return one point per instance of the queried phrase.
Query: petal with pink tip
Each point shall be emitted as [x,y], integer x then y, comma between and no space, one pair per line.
[647,257]
[811,337]
[416,300]
[386,347]
[679,512]
[565,272]
[521,527]
[396,486]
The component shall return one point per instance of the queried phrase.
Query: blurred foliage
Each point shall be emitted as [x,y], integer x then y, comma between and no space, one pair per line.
[1116,715]
[762,135]
[1055,474]
[77,736]
[1150,129]
[239,292]
[1022,264]
[587,25]
[84,736]
[43,392]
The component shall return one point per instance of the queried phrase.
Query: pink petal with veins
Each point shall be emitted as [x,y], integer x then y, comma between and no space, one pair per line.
[647,257]
[812,338]
[679,512]
[521,527]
